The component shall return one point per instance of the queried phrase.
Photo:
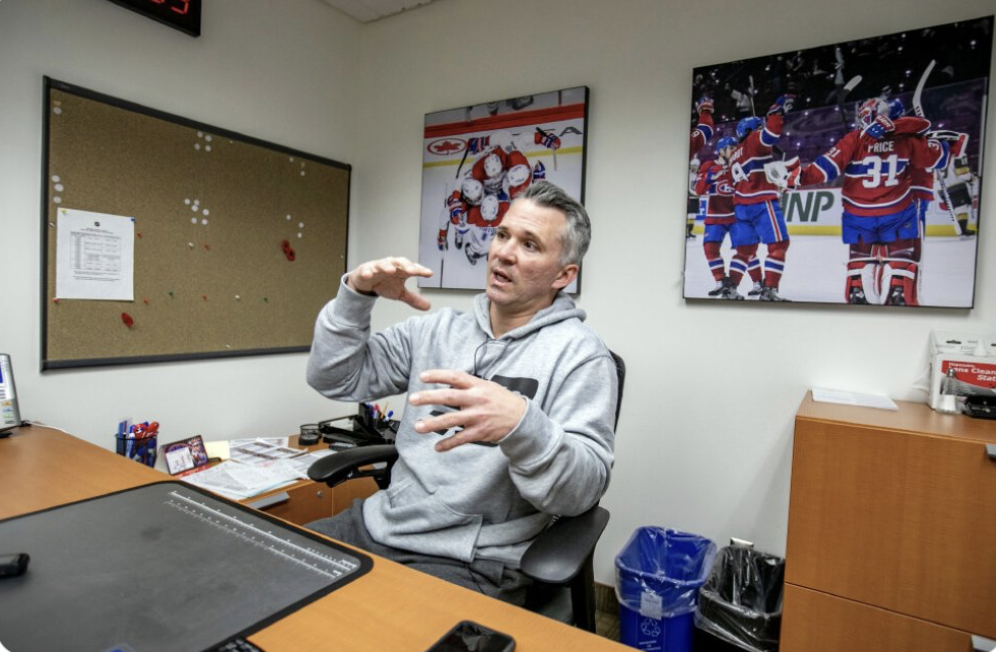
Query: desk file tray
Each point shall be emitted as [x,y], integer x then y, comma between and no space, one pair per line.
[165,567]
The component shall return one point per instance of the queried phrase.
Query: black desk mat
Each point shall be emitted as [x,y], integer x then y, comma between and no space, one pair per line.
[164,567]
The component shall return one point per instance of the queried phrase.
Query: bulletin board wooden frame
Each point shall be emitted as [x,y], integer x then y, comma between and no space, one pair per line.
[238,242]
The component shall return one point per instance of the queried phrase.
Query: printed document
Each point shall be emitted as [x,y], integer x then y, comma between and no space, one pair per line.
[94,256]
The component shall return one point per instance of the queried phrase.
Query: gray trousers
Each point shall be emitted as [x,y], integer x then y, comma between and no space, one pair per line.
[485,576]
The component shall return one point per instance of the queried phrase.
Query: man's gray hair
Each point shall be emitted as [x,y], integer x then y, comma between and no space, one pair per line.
[577,235]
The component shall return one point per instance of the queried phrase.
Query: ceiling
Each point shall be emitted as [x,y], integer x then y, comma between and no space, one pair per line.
[367,11]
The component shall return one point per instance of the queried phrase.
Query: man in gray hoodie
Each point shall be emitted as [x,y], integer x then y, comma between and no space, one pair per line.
[511,407]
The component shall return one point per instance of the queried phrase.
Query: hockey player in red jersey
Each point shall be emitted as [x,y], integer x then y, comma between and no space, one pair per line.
[483,221]
[455,207]
[702,132]
[714,182]
[876,161]
[758,214]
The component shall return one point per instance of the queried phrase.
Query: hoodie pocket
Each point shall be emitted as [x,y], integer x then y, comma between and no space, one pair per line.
[415,509]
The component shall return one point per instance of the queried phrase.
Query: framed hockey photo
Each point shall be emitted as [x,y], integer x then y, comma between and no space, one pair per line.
[477,159]
[846,173]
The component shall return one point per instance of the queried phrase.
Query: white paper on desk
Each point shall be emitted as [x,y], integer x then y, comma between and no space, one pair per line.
[274,441]
[301,464]
[237,481]
[260,451]
[853,398]
[94,256]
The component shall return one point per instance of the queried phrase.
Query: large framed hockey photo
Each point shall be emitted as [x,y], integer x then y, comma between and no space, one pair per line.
[477,159]
[846,173]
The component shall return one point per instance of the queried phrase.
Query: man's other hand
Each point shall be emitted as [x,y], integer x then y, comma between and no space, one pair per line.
[486,411]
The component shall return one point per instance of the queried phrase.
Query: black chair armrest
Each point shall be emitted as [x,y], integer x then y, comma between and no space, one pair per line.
[337,468]
[557,555]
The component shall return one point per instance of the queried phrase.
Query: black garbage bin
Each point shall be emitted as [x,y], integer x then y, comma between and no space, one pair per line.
[740,604]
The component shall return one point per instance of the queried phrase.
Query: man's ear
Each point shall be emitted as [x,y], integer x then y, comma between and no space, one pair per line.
[566,275]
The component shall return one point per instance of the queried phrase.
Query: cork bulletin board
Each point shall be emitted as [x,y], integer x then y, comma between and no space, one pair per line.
[237,243]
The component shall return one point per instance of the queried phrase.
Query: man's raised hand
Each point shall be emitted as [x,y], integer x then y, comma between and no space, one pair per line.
[386,278]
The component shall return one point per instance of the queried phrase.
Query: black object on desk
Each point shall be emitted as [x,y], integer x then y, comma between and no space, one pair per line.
[309,434]
[981,407]
[364,431]
[14,565]
[164,567]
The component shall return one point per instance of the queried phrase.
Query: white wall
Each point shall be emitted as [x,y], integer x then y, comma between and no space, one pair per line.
[705,437]
[280,70]
[706,431]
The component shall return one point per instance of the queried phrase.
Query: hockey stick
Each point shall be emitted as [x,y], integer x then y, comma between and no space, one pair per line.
[842,93]
[466,150]
[918,110]
[750,93]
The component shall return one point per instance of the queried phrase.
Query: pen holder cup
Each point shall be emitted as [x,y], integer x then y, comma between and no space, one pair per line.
[141,450]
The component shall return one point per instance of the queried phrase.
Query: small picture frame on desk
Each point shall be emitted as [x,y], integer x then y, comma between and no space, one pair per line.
[185,456]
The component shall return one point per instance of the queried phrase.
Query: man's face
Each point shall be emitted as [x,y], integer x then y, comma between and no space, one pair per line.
[524,270]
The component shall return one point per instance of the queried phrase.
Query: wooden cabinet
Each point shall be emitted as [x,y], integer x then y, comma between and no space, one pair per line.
[309,501]
[892,531]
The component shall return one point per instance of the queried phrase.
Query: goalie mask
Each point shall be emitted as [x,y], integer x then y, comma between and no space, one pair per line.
[871,109]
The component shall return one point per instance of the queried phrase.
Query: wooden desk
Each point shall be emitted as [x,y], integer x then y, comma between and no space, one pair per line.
[391,608]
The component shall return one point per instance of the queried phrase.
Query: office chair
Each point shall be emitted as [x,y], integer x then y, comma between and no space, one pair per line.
[559,560]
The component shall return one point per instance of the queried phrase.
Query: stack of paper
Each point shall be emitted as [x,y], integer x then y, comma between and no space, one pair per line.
[256,466]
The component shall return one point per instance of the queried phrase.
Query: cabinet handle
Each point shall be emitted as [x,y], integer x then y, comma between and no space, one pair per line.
[991,451]
[982,644]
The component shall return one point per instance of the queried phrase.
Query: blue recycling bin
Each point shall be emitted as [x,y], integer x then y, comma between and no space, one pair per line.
[658,575]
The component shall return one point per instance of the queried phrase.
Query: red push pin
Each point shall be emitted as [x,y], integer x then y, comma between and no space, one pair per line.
[128,321]
[288,250]
[204,296]
[55,301]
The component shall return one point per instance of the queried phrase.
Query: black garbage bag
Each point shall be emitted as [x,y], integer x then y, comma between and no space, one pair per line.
[741,600]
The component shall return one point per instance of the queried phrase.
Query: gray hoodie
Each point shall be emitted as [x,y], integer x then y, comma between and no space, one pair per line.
[475,501]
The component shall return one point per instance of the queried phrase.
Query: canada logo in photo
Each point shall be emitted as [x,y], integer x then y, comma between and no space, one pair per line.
[447,146]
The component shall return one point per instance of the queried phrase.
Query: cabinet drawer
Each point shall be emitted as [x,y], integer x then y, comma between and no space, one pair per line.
[310,501]
[305,503]
[817,622]
[895,519]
